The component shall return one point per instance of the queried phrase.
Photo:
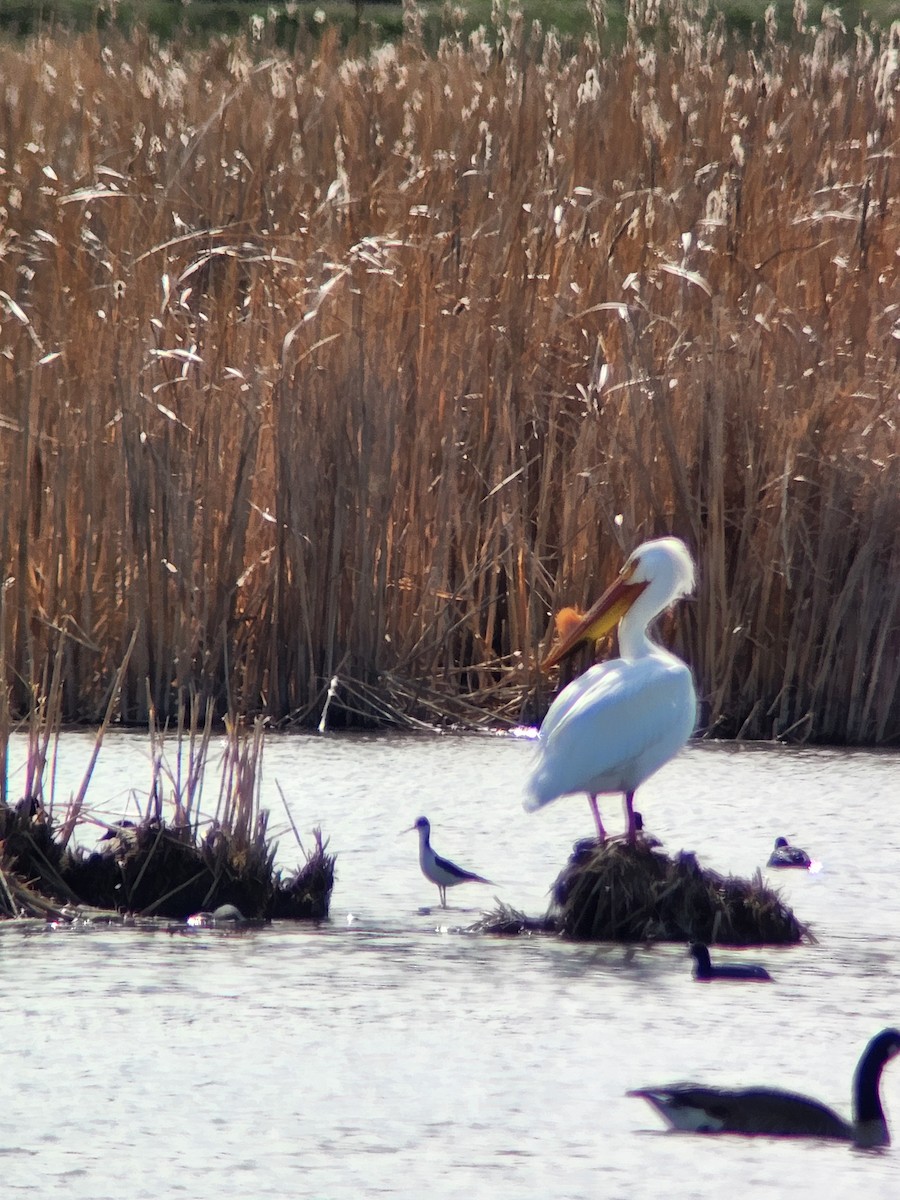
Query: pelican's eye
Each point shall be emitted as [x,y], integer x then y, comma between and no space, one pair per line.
[629,569]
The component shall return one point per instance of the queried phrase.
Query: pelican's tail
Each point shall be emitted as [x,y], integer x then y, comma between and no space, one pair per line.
[537,793]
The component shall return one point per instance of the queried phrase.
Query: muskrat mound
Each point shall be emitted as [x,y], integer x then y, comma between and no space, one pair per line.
[615,892]
[306,894]
[165,870]
[31,862]
[162,869]
[155,868]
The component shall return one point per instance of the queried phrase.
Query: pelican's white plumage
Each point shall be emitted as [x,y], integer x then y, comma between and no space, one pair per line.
[620,721]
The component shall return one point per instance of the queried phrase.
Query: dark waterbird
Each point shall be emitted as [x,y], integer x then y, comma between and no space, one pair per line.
[440,871]
[786,855]
[704,969]
[773,1112]
[227,915]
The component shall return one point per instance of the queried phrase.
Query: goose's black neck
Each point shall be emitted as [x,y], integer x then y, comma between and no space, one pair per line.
[867,1111]
[703,968]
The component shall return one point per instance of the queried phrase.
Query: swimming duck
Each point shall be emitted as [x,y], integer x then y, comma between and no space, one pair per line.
[786,855]
[704,969]
[773,1112]
[440,871]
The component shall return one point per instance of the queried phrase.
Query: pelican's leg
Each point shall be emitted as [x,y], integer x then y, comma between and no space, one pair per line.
[631,832]
[601,832]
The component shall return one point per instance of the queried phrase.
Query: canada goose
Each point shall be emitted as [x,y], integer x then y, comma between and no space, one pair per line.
[704,969]
[786,855]
[440,871]
[773,1112]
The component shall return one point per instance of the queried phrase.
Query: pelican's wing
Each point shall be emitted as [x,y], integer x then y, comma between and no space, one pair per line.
[571,695]
[613,727]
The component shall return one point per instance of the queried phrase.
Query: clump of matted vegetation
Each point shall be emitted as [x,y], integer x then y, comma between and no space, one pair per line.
[616,892]
[32,873]
[612,891]
[153,869]
[172,861]
[159,869]
[506,921]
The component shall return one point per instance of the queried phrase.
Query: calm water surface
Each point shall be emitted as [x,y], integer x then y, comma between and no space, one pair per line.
[387,1053]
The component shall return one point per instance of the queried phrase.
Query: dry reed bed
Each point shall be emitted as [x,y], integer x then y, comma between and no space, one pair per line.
[326,365]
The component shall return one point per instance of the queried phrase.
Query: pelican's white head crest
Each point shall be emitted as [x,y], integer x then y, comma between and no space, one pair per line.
[665,564]
[654,576]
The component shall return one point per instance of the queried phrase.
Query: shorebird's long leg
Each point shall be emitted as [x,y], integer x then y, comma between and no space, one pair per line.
[442,891]
[601,832]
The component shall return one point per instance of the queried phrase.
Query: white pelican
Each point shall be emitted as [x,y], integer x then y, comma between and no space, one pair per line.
[440,871]
[620,721]
[771,1112]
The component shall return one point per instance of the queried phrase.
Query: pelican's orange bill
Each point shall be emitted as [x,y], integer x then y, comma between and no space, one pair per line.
[598,621]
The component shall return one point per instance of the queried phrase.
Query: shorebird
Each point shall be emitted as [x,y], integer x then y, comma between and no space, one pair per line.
[440,871]
[773,1112]
[620,721]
